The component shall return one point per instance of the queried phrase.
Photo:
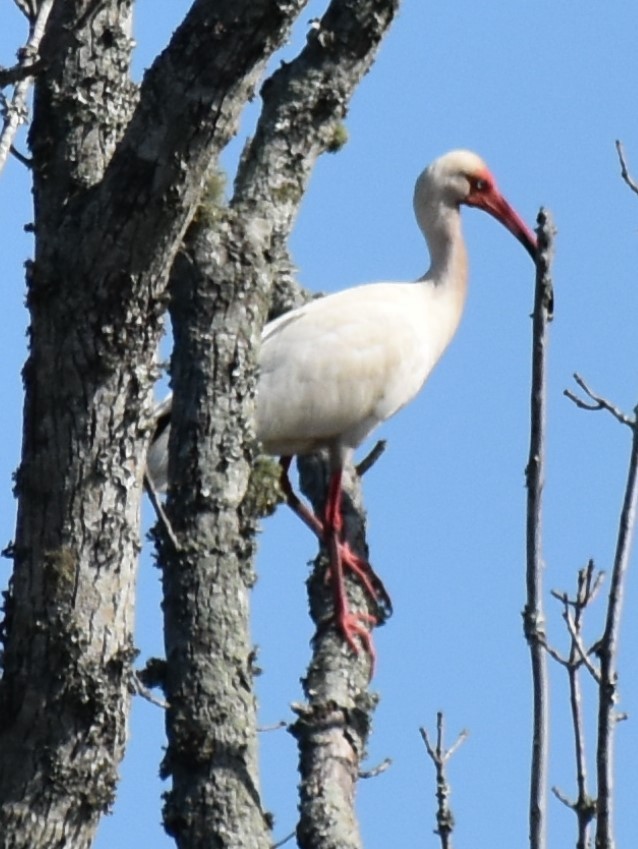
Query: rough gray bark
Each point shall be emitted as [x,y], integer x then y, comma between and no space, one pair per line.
[107,227]
[211,719]
[332,728]
[234,257]
[117,177]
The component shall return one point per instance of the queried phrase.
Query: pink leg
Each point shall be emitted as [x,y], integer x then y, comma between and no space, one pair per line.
[340,556]
[350,624]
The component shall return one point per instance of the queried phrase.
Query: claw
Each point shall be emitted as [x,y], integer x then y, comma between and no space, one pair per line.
[370,581]
[351,625]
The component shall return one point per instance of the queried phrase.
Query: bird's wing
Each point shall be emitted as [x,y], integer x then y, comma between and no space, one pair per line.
[338,366]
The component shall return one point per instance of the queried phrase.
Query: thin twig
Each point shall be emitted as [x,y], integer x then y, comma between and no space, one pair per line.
[584,806]
[160,512]
[385,764]
[142,690]
[624,170]
[282,842]
[555,654]
[29,8]
[25,160]
[591,584]
[562,797]
[275,726]
[439,757]
[599,403]
[369,461]
[533,616]
[16,110]
[579,648]
[13,75]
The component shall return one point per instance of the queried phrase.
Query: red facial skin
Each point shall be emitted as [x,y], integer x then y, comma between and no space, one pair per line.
[484,195]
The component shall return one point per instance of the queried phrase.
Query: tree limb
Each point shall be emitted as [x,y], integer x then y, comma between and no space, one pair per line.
[599,403]
[15,111]
[533,616]
[608,652]
[439,757]
[624,169]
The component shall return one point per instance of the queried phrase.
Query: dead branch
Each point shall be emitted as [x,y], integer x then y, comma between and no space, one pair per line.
[275,726]
[370,459]
[533,615]
[284,840]
[608,648]
[15,111]
[439,757]
[13,75]
[578,647]
[624,170]
[385,765]
[140,689]
[599,403]
[150,490]
[589,582]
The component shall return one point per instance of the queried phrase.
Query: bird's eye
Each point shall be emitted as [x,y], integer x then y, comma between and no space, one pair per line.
[480,185]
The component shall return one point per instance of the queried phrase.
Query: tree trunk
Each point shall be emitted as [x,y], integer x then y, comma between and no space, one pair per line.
[117,177]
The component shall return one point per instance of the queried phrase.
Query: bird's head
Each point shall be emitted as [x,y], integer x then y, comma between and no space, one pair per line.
[461,177]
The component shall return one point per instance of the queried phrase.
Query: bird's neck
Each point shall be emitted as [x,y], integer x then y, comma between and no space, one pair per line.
[448,256]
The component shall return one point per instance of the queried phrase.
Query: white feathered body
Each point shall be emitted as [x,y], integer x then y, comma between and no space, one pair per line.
[334,369]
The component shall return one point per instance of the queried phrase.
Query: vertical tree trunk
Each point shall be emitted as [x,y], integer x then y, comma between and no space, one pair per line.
[219,302]
[117,178]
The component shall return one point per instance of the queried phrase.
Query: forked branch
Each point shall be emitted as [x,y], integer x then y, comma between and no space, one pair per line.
[589,582]
[439,756]
[607,646]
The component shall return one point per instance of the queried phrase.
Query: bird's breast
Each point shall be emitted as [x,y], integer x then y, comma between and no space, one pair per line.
[333,370]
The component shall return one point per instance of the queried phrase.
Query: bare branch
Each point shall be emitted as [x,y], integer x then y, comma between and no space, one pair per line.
[17,73]
[160,512]
[608,649]
[285,840]
[555,654]
[580,649]
[385,765]
[533,616]
[588,584]
[15,112]
[275,726]
[29,8]
[562,797]
[25,160]
[607,646]
[439,757]
[140,689]
[370,459]
[599,403]
[624,170]
[584,808]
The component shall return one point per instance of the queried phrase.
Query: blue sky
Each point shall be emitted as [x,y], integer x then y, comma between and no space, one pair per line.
[541,90]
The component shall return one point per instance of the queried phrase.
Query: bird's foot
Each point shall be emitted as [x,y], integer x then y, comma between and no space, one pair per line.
[352,625]
[372,584]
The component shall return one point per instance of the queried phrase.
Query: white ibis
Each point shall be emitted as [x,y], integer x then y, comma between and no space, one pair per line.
[335,368]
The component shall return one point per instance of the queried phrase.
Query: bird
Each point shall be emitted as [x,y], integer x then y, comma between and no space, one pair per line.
[334,369]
